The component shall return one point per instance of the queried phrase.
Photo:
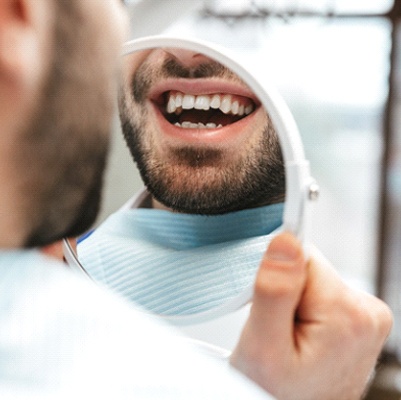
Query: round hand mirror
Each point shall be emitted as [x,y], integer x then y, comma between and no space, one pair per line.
[224,169]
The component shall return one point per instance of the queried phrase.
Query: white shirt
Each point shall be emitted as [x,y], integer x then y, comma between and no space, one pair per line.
[61,336]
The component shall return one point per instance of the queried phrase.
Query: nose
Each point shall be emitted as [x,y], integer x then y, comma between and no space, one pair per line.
[187,58]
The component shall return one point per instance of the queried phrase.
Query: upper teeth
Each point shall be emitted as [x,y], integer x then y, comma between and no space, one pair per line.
[225,102]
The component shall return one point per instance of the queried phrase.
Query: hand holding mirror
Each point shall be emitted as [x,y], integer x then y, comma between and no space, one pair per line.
[199,125]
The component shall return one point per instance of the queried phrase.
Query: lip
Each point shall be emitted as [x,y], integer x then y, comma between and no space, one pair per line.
[200,86]
[218,136]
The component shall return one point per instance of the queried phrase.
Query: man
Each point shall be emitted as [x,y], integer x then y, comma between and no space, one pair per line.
[199,154]
[206,148]
[63,337]
[185,115]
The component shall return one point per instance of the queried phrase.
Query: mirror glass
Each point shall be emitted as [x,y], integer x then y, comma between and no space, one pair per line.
[215,184]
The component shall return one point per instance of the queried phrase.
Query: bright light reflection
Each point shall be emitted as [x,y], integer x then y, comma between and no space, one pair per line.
[334,63]
[371,6]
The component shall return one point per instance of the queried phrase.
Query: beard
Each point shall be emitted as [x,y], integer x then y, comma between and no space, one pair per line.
[201,180]
[64,148]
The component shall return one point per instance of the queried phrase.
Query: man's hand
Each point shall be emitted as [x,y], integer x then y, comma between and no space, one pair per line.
[309,336]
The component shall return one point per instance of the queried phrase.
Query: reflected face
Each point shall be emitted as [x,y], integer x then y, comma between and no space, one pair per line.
[62,153]
[202,141]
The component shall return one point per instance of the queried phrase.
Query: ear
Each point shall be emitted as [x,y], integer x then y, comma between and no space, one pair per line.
[24,29]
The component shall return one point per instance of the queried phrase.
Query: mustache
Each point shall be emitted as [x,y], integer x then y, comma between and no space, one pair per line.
[144,77]
[171,68]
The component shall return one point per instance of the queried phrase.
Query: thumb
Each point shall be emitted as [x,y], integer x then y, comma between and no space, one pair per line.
[279,285]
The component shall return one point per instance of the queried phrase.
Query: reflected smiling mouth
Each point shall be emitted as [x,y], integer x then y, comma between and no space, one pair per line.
[204,111]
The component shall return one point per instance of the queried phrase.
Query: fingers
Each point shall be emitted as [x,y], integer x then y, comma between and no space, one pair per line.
[309,328]
[268,334]
[327,295]
[323,289]
[278,289]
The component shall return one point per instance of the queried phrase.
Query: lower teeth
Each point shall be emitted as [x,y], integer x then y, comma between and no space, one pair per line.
[199,125]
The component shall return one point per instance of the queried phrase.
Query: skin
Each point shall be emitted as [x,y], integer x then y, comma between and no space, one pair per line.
[309,329]
[41,75]
[203,171]
[291,357]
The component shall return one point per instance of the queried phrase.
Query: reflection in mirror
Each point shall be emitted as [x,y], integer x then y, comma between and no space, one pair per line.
[213,169]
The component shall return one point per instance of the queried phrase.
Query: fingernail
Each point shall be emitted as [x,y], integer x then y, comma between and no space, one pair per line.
[284,248]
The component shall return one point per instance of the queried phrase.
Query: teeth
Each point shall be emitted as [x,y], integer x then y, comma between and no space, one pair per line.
[199,125]
[225,106]
[188,102]
[235,108]
[171,107]
[179,101]
[202,103]
[213,125]
[248,109]
[215,102]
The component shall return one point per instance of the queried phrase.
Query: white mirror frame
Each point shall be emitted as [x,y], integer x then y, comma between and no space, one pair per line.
[301,188]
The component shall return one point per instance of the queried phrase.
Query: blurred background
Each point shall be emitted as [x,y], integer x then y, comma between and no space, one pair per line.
[337,65]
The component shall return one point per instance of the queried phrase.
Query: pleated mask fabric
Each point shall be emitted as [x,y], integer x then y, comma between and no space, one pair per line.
[179,264]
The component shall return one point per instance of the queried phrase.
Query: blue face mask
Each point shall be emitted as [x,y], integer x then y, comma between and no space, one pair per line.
[179,264]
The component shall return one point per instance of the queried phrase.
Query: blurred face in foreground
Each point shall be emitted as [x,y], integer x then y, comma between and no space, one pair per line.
[57,155]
